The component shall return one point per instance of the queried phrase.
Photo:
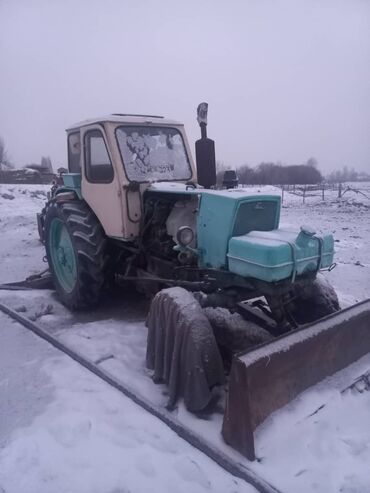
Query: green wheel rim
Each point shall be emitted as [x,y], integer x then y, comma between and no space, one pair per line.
[62,255]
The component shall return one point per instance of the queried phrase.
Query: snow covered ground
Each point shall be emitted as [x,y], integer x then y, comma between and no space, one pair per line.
[348,219]
[327,452]
[64,430]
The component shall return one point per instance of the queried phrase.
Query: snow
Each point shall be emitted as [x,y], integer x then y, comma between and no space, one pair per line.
[89,438]
[103,442]
[153,153]
[20,379]
[296,337]
[242,192]
[164,186]
[350,226]
[326,452]
[20,248]
[169,186]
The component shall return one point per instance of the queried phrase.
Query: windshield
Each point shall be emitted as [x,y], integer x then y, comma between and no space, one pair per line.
[153,153]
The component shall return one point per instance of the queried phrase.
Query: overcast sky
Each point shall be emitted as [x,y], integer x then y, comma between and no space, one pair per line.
[285,79]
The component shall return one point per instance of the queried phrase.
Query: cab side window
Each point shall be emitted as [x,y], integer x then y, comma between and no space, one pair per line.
[74,152]
[98,167]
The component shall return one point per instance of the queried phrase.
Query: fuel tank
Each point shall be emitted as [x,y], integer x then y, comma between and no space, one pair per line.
[279,254]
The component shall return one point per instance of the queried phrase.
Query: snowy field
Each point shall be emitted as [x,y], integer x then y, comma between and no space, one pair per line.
[76,427]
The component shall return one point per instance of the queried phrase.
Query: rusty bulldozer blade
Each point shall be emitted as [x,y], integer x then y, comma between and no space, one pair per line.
[266,378]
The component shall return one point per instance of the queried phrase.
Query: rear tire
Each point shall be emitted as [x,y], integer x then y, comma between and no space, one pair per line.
[76,251]
[314,301]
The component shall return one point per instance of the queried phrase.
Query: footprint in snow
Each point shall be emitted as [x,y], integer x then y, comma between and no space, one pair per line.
[189,470]
[71,434]
[355,447]
[145,466]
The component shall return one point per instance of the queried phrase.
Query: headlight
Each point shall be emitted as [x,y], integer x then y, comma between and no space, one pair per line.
[184,235]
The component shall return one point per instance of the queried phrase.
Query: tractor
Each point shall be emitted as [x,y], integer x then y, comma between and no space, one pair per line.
[134,207]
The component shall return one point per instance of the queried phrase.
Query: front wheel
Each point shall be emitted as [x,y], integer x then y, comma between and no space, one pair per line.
[76,251]
[314,301]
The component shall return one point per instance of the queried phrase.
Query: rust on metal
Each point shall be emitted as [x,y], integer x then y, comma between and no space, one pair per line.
[266,378]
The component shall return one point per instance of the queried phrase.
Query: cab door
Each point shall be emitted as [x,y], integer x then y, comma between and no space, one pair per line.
[100,184]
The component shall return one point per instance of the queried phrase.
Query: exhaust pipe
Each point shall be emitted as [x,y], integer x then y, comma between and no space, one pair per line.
[205,151]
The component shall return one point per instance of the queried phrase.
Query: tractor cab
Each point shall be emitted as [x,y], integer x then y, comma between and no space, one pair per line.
[112,160]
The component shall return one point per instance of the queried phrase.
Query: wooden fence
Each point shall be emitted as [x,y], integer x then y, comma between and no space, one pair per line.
[320,190]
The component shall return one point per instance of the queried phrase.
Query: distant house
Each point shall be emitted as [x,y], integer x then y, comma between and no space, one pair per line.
[31,173]
[44,168]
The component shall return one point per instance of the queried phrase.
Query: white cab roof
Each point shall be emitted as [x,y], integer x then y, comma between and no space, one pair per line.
[126,118]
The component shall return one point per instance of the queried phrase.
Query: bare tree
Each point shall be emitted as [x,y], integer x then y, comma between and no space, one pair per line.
[46,164]
[345,174]
[312,161]
[277,174]
[4,160]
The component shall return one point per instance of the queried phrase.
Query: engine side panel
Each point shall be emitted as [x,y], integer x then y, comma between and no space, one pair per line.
[223,215]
